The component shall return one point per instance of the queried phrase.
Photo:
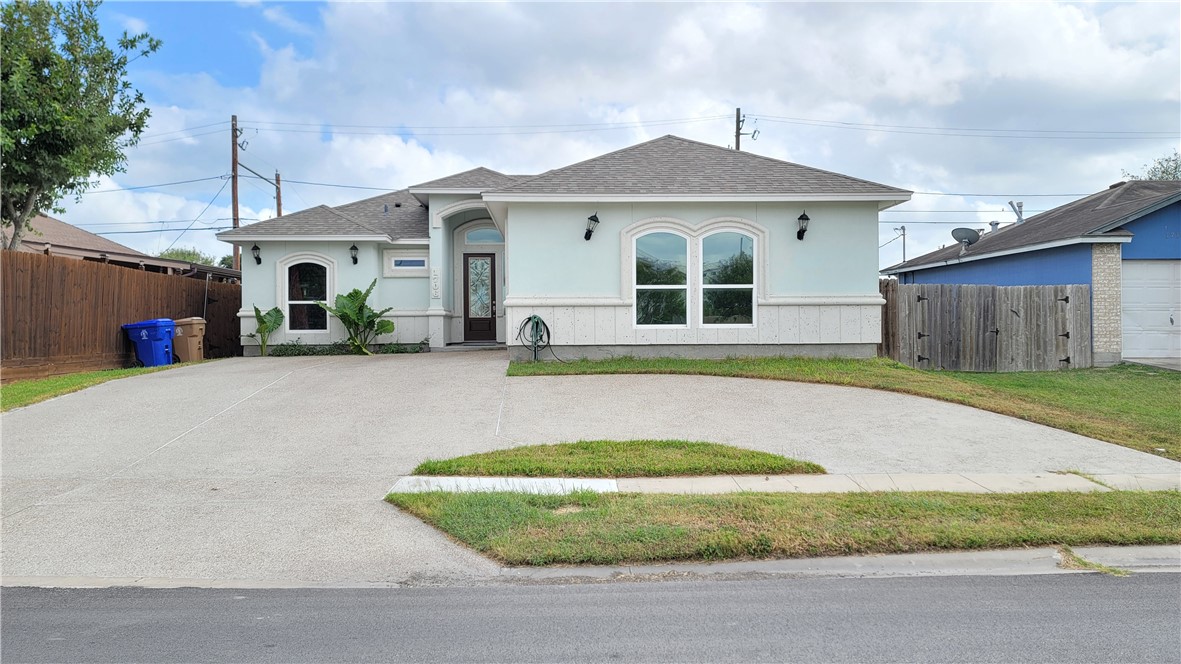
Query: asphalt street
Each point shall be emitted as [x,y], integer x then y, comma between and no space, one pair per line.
[1057,618]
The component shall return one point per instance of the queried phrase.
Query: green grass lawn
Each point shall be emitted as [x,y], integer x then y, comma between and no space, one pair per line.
[1129,405]
[619,458]
[590,528]
[25,392]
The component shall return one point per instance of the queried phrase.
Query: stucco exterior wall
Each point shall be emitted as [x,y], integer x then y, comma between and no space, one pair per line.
[818,294]
[263,284]
[1106,304]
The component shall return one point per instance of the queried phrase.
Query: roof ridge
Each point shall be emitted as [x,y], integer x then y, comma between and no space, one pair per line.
[589,159]
[784,161]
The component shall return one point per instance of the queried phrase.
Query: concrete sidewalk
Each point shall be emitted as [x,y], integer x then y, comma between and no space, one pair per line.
[966,482]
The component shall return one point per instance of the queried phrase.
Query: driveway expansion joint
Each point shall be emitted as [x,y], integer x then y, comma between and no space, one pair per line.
[833,483]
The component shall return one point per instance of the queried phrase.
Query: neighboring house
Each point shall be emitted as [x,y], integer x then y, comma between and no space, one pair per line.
[697,251]
[54,237]
[1124,242]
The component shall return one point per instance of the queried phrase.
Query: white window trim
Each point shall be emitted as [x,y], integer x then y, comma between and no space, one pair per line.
[282,289]
[688,287]
[389,255]
[702,286]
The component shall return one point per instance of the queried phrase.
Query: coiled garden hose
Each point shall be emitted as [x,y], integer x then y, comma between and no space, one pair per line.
[534,335]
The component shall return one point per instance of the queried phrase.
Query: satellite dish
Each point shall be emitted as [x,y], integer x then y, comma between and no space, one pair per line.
[966,236]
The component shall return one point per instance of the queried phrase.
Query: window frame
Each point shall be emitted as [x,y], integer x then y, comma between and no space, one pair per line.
[283,286]
[754,284]
[388,256]
[687,287]
[473,243]
[289,302]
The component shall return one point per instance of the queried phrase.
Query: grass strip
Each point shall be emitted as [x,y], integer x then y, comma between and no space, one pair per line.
[600,529]
[26,392]
[1129,405]
[619,458]
[1071,560]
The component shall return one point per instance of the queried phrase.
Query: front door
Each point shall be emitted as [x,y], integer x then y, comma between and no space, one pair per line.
[479,297]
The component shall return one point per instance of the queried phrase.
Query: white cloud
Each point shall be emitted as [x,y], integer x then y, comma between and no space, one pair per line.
[278,16]
[550,67]
[132,24]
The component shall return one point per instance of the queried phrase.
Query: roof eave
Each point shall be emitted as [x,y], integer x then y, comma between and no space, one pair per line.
[293,237]
[1161,204]
[1083,239]
[886,199]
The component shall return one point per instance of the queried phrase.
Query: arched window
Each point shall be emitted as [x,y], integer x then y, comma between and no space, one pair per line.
[727,279]
[662,279]
[483,236]
[307,284]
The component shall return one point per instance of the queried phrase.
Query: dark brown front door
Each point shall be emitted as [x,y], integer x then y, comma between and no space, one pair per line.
[479,297]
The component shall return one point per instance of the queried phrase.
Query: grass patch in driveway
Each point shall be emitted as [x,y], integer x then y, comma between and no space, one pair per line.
[619,458]
[26,392]
[606,529]
[1129,405]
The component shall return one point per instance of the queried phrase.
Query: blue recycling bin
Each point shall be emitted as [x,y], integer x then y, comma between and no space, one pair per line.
[152,340]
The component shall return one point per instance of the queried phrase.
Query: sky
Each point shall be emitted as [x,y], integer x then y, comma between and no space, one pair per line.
[970,105]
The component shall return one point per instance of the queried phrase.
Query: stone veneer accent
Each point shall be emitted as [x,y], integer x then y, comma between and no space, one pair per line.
[1106,303]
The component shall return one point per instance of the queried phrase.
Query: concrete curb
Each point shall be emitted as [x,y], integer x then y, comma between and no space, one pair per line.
[1007,562]
[856,482]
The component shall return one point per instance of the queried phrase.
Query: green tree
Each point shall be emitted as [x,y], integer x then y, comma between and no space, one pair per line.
[226,261]
[68,112]
[190,254]
[1167,167]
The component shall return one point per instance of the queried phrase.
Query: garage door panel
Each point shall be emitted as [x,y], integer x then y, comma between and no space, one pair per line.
[1151,308]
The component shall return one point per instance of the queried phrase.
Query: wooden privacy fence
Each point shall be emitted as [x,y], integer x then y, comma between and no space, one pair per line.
[959,327]
[60,315]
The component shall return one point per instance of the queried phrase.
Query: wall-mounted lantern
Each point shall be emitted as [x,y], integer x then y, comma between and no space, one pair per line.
[592,222]
[257,253]
[353,253]
[803,222]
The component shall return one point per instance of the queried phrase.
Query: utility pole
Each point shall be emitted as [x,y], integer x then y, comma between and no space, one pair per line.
[234,183]
[278,195]
[738,129]
[739,121]
[903,231]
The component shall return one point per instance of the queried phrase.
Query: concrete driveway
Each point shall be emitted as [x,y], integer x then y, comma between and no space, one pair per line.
[274,469]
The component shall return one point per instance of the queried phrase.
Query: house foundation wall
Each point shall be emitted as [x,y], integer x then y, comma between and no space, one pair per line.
[843,330]
[1106,303]
[696,351]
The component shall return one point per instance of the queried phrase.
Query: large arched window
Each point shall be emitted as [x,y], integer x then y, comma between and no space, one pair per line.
[662,279]
[307,284]
[727,279]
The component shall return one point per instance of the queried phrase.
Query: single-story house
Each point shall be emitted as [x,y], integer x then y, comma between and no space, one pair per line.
[57,238]
[671,247]
[1124,242]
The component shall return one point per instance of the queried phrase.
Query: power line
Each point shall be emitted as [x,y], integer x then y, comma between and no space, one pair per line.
[936,131]
[890,240]
[463,132]
[154,186]
[180,138]
[211,202]
[519,126]
[979,129]
[155,221]
[177,131]
[165,230]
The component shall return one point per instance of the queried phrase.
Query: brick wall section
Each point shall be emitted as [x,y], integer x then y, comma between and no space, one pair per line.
[1106,303]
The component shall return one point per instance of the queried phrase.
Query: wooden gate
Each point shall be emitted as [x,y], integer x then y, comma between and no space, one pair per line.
[958,327]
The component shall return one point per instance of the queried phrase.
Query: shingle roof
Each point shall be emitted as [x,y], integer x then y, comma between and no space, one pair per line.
[671,165]
[1099,214]
[60,234]
[396,215]
[477,178]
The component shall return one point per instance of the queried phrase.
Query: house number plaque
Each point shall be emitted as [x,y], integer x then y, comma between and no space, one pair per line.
[435,291]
